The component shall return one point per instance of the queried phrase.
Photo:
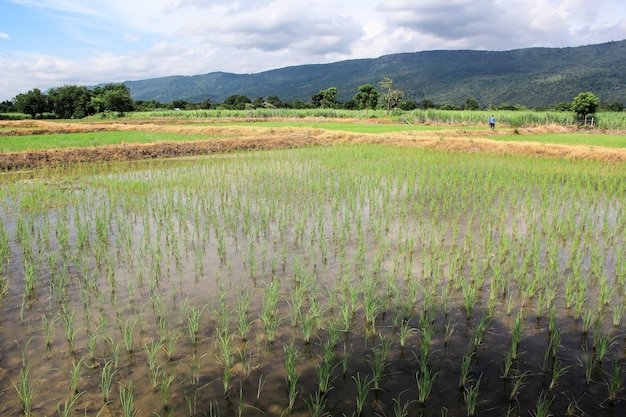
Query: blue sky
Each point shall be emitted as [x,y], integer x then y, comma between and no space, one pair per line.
[49,43]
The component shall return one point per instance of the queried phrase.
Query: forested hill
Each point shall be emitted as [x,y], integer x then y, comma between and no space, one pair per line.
[532,77]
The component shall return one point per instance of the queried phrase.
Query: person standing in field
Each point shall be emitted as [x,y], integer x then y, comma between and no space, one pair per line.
[492,122]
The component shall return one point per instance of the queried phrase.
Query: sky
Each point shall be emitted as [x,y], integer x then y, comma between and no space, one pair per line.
[51,43]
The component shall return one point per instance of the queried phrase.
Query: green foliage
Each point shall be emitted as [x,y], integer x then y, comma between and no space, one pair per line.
[34,102]
[367,97]
[391,97]
[71,102]
[326,99]
[585,104]
[471,104]
[236,102]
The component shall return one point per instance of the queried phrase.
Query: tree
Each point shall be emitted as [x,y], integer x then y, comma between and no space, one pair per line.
[147,105]
[112,97]
[427,104]
[274,101]
[563,106]
[236,102]
[471,104]
[326,99]
[585,104]
[615,106]
[180,104]
[71,102]
[7,106]
[34,102]
[391,97]
[367,97]
[408,105]
[205,104]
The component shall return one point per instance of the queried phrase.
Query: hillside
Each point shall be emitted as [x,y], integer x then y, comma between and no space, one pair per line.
[531,77]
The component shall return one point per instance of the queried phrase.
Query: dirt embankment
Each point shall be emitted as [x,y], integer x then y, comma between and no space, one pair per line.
[225,139]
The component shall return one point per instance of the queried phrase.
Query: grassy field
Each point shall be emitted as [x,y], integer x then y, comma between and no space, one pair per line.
[170,130]
[590,139]
[69,140]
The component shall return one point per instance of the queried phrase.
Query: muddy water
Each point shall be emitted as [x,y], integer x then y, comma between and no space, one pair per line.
[124,259]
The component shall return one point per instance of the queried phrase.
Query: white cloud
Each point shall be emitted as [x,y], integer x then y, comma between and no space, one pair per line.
[4,35]
[127,40]
[132,38]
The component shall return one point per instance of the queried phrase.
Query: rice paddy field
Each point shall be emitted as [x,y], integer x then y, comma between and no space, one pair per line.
[346,279]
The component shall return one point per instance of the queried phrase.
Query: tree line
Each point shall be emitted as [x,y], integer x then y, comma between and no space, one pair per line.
[76,102]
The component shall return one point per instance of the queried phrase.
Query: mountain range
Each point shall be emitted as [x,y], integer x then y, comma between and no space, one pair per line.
[532,77]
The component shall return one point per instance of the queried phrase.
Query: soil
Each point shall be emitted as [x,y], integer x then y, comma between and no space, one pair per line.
[235,138]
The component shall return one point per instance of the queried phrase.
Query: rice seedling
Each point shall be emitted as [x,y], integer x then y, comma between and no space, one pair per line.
[226,358]
[107,372]
[243,322]
[170,339]
[316,404]
[127,398]
[557,372]
[601,345]
[70,331]
[270,315]
[24,387]
[404,330]
[425,379]
[363,386]
[464,377]
[618,313]
[517,383]
[166,389]
[542,409]
[470,396]
[614,383]
[587,361]
[48,329]
[152,349]
[67,409]
[75,374]
[128,328]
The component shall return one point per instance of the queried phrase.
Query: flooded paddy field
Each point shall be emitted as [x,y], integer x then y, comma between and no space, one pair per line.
[357,280]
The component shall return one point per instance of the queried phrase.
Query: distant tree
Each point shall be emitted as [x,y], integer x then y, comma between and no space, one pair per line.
[426,104]
[585,104]
[180,104]
[205,104]
[367,98]
[298,104]
[563,106]
[326,99]
[350,105]
[615,106]
[274,101]
[258,102]
[390,96]
[451,107]
[148,105]
[471,104]
[408,105]
[7,106]
[33,102]
[71,102]
[113,98]
[236,102]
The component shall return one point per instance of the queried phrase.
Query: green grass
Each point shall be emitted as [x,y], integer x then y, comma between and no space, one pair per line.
[81,140]
[590,139]
[345,126]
